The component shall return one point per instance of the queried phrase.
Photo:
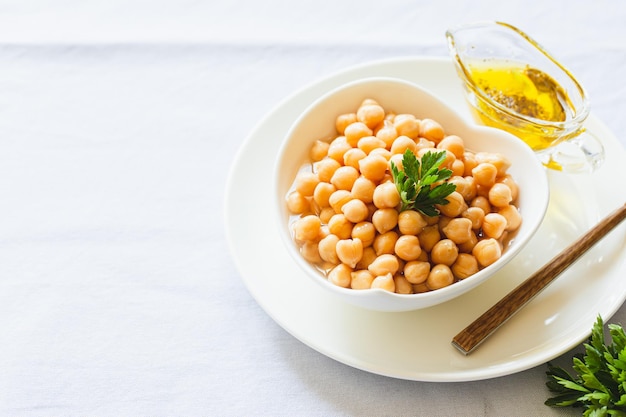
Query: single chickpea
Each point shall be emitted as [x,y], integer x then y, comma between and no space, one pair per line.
[401,144]
[355,131]
[444,252]
[322,194]
[370,114]
[458,230]
[297,203]
[469,159]
[500,195]
[368,143]
[494,224]
[326,213]
[456,205]
[355,211]
[382,152]
[369,254]
[485,174]
[387,134]
[440,276]
[510,182]
[341,275]
[512,216]
[338,199]
[373,167]
[344,177]
[350,251]
[458,167]
[467,247]
[327,248]
[326,168]
[475,215]
[364,231]
[319,150]
[386,195]
[363,189]
[306,182]
[340,226]
[482,203]
[464,266]
[361,279]
[353,156]
[402,285]
[416,272]
[338,147]
[428,237]
[463,187]
[343,121]
[431,130]
[385,219]
[384,264]
[487,251]
[449,161]
[307,228]
[310,252]
[407,125]
[411,222]
[501,163]
[384,282]
[385,243]
[453,144]
[408,247]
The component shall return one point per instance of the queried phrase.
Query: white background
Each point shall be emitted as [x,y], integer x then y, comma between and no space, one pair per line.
[119,121]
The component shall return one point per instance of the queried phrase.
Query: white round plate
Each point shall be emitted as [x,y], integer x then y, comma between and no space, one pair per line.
[416,345]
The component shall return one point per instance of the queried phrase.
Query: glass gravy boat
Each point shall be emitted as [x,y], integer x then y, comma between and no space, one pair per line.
[514,84]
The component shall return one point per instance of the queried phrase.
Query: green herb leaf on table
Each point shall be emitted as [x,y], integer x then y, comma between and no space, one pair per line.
[423,185]
[599,386]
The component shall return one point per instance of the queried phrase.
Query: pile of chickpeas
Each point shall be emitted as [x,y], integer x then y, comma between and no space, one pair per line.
[346,217]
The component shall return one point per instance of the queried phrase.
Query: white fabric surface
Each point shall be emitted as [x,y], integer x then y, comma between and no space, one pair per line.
[119,122]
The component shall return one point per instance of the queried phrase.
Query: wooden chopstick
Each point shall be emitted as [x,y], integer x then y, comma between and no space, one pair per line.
[474,334]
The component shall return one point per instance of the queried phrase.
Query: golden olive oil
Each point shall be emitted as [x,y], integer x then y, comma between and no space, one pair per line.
[526,91]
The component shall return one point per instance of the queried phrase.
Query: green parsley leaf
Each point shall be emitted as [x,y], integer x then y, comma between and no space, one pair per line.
[423,185]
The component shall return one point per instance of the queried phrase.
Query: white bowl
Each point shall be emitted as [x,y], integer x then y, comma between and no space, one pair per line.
[318,122]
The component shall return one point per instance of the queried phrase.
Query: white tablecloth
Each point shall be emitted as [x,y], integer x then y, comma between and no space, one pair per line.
[118,124]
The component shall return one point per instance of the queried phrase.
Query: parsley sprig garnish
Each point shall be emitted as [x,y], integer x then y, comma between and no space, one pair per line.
[422,185]
[600,386]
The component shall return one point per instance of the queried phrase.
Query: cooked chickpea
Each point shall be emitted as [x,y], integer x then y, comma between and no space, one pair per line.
[355,211]
[297,203]
[326,168]
[428,237]
[407,125]
[416,272]
[340,226]
[444,252]
[307,228]
[309,251]
[326,213]
[327,248]
[411,222]
[319,150]
[500,195]
[467,247]
[350,251]
[341,275]
[361,279]
[401,144]
[440,276]
[306,182]
[463,187]
[402,285]
[344,177]
[512,216]
[364,231]
[423,143]
[338,199]
[494,225]
[369,254]
[469,159]
[355,131]
[458,230]
[384,282]
[343,121]
[373,167]
[322,194]
[382,152]
[454,144]
[431,130]
[456,205]
[387,134]
[464,266]
[475,215]
[458,167]
[368,143]
[482,203]
[485,174]
[386,195]
[385,242]
[408,247]
[370,114]
[338,147]
[497,160]
[353,156]
[384,264]
[363,189]
[385,219]
[510,182]
[487,251]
